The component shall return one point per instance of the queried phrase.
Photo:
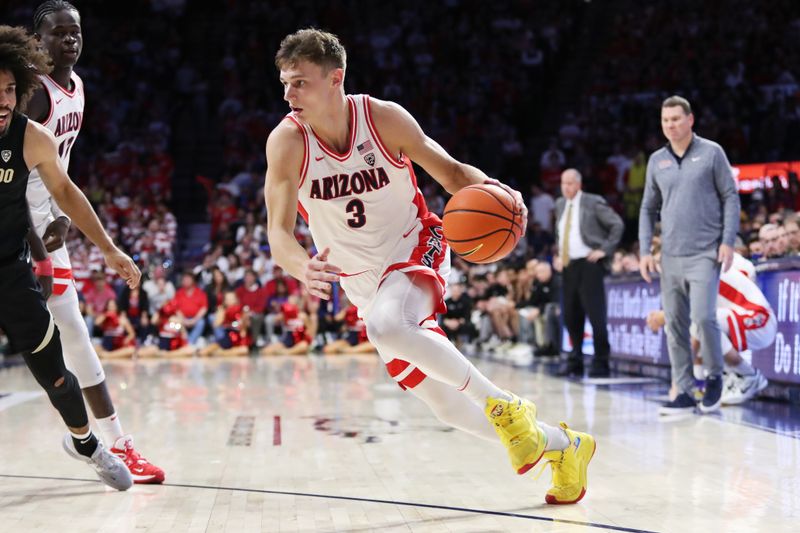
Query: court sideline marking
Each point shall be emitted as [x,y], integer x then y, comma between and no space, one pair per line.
[366,500]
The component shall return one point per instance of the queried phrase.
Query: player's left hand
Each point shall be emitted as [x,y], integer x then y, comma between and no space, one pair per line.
[124,266]
[725,257]
[56,234]
[519,203]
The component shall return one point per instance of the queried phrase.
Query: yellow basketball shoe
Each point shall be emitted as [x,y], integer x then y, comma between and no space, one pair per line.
[569,468]
[514,422]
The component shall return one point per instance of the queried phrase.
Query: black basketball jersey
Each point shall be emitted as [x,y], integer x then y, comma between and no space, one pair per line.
[13,183]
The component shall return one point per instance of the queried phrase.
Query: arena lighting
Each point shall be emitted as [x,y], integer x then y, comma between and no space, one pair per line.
[755,176]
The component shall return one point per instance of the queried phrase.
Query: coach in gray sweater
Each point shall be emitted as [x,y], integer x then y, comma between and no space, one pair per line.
[690,183]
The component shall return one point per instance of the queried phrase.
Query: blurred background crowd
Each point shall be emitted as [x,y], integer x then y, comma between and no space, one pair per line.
[171,152]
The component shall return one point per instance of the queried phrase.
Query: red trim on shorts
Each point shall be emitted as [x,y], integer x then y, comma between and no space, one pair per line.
[62,273]
[382,147]
[413,379]
[306,151]
[438,330]
[415,263]
[395,367]
[59,289]
[353,131]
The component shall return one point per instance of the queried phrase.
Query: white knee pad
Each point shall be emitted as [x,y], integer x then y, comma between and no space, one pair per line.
[400,306]
[79,354]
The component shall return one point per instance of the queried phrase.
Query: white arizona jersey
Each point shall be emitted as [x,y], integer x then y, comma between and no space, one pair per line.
[744,265]
[741,307]
[64,121]
[361,203]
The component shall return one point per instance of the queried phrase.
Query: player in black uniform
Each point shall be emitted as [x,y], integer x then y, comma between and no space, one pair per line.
[24,317]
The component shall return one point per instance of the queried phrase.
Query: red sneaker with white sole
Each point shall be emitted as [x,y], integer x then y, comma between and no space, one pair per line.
[141,469]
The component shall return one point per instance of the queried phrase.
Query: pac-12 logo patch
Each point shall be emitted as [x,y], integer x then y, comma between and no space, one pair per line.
[370,159]
[6,155]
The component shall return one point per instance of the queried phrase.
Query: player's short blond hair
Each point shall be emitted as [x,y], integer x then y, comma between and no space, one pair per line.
[310,44]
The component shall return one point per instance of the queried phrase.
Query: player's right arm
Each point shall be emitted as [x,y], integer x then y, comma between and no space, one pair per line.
[41,153]
[285,152]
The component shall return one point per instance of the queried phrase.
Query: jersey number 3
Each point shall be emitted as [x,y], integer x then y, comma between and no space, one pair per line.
[357,208]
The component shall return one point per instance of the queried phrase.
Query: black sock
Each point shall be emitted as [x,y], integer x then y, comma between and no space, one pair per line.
[85,445]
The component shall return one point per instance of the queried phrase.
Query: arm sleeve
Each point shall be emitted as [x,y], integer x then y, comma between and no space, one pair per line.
[651,205]
[729,197]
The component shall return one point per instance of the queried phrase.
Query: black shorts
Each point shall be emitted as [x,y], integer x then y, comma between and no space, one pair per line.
[24,316]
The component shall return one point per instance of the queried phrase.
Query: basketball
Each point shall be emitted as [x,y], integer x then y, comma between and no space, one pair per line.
[480,223]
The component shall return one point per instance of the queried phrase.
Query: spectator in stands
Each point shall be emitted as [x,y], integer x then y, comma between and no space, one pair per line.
[204,272]
[134,304]
[96,296]
[769,238]
[159,290]
[172,336]
[542,207]
[295,339]
[630,263]
[541,310]
[235,271]
[230,329]
[792,228]
[191,306]
[457,321]
[354,339]
[539,240]
[118,335]
[253,298]
[215,291]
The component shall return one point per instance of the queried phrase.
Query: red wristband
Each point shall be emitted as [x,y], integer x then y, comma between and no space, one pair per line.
[43,268]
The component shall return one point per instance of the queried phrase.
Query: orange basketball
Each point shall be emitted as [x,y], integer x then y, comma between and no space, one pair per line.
[480,223]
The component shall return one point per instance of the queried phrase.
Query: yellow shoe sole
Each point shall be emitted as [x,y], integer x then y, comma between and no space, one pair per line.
[552,500]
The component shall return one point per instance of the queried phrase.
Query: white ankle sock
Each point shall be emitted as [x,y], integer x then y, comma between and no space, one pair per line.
[111,428]
[743,369]
[556,437]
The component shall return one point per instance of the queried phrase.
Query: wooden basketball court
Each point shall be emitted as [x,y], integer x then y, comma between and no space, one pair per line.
[331,444]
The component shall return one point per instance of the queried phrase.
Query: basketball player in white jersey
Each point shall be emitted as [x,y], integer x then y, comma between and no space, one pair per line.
[746,322]
[58,105]
[344,161]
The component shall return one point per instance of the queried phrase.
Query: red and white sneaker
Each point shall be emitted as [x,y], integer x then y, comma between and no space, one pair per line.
[141,469]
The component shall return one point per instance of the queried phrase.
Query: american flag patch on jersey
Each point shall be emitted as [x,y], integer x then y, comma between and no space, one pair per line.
[664,163]
[364,147]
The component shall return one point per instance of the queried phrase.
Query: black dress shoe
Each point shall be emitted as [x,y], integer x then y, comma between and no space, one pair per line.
[571,370]
[599,370]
